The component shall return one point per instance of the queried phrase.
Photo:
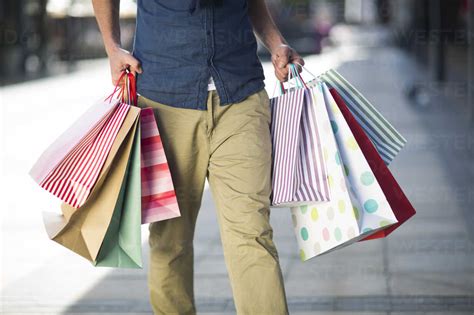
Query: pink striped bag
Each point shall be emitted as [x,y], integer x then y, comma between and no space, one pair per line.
[299,174]
[158,195]
[72,179]
[90,123]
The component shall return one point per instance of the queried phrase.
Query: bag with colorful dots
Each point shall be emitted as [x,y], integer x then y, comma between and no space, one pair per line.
[358,207]
[397,199]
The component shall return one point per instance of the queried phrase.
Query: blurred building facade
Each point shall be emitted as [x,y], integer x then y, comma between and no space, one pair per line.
[36,33]
[23,36]
[440,34]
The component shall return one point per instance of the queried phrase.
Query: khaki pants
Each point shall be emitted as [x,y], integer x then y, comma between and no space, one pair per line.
[231,146]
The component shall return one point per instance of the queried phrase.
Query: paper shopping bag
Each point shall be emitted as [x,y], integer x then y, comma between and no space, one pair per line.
[83,229]
[357,208]
[399,203]
[72,179]
[299,173]
[89,123]
[158,195]
[122,242]
[387,140]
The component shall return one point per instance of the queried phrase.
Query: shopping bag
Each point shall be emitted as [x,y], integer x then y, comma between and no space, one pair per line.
[358,207]
[72,179]
[90,123]
[299,173]
[122,242]
[83,229]
[387,140]
[70,166]
[158,195]
[397,199]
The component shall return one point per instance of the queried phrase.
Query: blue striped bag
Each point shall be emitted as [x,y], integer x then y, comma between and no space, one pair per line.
[386,139]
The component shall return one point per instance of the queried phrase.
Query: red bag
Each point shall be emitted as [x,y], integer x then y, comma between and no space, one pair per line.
[399,203]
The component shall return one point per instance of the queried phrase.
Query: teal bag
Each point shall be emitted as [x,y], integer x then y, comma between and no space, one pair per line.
[122,243]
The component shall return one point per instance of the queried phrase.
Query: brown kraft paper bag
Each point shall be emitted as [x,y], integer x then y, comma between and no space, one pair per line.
[83,229]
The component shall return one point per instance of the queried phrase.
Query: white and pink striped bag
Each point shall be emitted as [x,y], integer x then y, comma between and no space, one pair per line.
[299,174]
[71,165]
[158,195]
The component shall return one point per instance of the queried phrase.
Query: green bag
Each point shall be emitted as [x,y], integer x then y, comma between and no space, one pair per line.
[122,243]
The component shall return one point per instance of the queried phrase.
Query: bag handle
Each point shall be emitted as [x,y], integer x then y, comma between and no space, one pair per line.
[317,78]
[132,89]
[305,69]
[117,88]
[292,74]
[126,82]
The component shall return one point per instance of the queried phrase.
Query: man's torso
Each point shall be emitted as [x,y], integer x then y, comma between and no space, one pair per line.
[181,46]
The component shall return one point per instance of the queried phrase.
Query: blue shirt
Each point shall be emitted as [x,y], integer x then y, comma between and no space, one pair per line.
[181,45]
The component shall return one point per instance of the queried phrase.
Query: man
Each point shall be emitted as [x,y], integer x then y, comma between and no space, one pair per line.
[197,66]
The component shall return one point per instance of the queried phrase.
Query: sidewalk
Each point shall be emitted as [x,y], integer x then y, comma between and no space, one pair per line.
[425,267]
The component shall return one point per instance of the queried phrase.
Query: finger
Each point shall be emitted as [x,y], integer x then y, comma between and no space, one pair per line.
[280,77]
[275,62]
[274,59]
[299,67]
[282,58]
[299,62]
[134,64]
[135,68]
[297,58]
[282,61]
[281,74]
[277,70]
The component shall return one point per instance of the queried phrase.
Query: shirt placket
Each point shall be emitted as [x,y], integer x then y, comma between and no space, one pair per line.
[210,34]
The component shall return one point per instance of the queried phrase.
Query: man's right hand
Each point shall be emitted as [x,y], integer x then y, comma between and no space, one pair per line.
[119,60]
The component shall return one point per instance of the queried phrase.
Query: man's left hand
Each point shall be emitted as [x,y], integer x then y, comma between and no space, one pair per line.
[282,56]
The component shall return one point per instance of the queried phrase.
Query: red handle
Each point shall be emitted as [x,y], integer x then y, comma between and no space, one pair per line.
[132,89]
[129,84]
[116,88]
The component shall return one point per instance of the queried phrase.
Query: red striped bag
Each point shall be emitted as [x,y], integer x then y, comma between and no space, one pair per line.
[299,174]
[73,178]
[158,195]
[89,124]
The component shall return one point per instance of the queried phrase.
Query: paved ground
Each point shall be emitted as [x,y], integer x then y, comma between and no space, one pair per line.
[425,267]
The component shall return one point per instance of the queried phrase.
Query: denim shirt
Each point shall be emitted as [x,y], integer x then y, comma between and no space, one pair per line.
[181,45]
